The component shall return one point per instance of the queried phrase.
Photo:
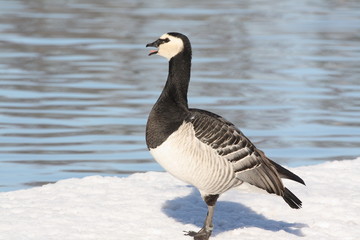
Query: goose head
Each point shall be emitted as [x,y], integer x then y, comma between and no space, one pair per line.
[169,45]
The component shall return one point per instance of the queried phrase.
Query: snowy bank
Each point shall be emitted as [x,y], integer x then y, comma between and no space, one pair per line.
[156,206]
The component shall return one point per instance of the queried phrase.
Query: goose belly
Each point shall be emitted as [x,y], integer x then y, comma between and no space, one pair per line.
[192,161]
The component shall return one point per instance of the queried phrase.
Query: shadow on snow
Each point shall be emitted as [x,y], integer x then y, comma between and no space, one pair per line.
[228,216]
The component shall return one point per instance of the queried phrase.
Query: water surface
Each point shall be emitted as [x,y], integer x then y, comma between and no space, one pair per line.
[76,84]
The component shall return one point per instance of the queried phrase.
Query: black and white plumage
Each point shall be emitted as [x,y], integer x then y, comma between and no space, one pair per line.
[200,147]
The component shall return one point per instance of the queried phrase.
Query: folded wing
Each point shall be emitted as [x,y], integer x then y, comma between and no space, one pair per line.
[249,163]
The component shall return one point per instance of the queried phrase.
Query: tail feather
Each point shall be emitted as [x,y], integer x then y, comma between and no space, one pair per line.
[291,199]
[284,173]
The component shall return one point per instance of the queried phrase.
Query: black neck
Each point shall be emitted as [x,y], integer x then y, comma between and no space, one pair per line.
[171,108]
[176,87]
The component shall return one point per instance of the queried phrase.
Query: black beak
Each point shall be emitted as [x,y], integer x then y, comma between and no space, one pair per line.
[154,44]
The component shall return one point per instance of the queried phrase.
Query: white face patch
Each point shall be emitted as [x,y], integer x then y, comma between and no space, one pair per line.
[171,48]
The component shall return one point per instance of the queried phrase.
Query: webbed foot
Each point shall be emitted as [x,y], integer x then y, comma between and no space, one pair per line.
[203,234]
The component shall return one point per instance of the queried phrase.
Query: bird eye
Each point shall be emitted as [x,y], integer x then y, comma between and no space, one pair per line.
[165,40]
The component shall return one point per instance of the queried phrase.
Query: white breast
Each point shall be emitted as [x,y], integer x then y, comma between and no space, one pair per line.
[194,162]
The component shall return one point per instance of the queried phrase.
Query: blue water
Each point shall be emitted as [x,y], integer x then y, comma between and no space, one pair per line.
[76,84]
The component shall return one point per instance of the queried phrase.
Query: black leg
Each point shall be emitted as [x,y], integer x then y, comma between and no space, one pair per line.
[206,230]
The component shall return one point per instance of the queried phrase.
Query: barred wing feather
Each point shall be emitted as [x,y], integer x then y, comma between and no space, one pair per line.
[250,164]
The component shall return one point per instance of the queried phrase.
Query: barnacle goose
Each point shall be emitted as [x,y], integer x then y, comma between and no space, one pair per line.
[200,147]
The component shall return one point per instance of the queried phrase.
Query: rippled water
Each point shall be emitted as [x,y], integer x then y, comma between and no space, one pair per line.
[77,85]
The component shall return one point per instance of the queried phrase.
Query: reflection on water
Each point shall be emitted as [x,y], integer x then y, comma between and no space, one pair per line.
[77,85]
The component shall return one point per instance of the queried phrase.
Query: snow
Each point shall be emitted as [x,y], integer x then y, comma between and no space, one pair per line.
[155,205]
